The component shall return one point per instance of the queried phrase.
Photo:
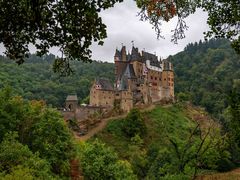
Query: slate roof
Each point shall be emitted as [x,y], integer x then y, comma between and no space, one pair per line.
[118,54]
[72,98]
[135,55]
[129,71]
[123,83]
[152,57]
[104,83]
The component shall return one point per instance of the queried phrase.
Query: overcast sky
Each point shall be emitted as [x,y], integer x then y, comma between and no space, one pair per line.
[123,26]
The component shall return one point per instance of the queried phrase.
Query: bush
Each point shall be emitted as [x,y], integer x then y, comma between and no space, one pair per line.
[134,124]
[100,162]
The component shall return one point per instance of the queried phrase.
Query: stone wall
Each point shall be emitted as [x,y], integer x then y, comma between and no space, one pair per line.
[71,105]
[99,97]
[81,112]
[126,100]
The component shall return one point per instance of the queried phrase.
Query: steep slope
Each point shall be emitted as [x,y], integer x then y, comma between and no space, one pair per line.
[174,133]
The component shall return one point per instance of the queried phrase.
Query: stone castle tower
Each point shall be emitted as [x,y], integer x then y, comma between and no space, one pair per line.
[140,78]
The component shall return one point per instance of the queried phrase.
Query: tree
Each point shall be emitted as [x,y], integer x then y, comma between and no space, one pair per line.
[16,158]
[40,128]
[134,124]
[204,148]
[51,138]
[11,112]
[100,162]
[233,123]
[224,20]
[70,25]
[73,25]
[223,17]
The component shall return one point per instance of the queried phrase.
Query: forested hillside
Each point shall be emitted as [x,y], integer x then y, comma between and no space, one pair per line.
[178,141]
[205,73]
[35,79]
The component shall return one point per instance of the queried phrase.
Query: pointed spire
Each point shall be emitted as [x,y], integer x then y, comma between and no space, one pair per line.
[117,56]
[132,43]
[123,53]
[135,54]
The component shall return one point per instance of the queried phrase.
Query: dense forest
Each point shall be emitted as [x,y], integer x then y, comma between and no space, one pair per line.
[205,73]
[35,79]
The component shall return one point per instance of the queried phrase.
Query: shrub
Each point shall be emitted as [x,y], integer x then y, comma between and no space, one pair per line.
[134,124]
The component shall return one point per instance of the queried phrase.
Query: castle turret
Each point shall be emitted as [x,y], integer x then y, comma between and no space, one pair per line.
[124,54]
[135,54]
[168,80]
[117,56]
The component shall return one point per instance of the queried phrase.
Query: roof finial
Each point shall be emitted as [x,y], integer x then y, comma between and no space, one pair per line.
[132,43]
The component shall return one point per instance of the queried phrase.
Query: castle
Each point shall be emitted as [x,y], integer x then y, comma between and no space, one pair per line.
[140,78]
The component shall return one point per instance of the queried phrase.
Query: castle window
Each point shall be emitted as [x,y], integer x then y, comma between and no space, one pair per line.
[160,79]
[155,78]
[151,77]
[164,79]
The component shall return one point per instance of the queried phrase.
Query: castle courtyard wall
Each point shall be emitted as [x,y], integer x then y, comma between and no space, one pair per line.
[103,98]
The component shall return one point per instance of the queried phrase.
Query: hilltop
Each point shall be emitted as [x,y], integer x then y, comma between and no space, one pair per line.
[168,147]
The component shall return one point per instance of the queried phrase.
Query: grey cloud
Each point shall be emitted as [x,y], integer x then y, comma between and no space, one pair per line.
[123,26]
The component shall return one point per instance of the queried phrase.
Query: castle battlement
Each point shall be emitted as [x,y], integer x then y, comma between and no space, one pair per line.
[140,78]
